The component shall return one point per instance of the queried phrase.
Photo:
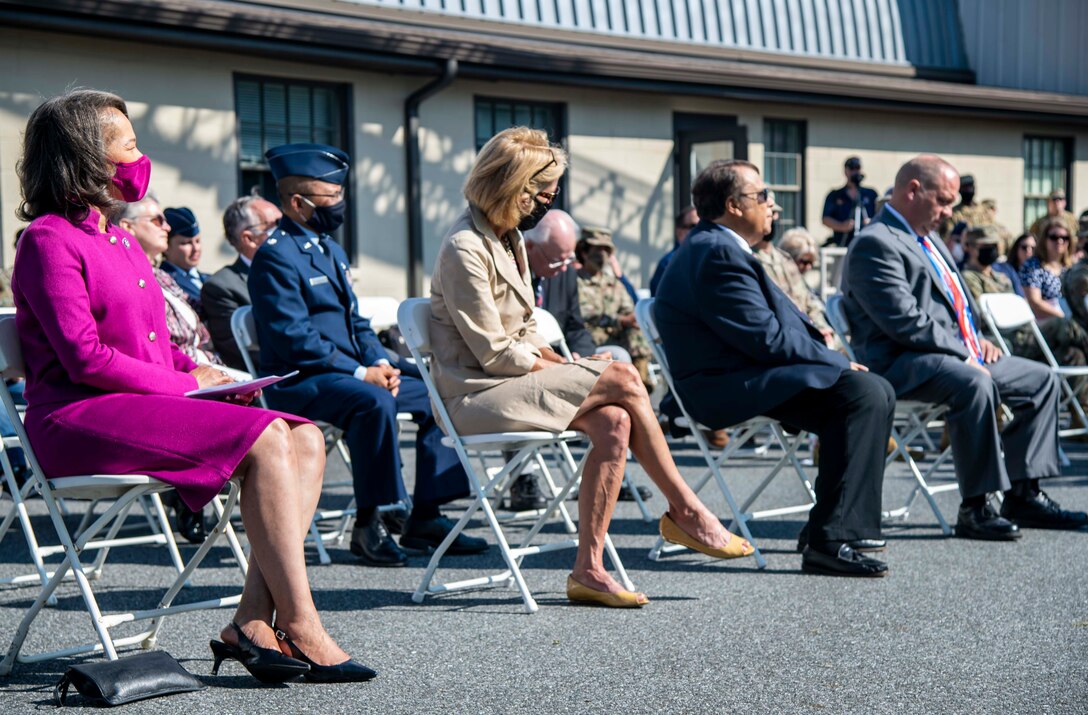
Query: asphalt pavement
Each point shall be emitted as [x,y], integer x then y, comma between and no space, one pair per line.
[956,627]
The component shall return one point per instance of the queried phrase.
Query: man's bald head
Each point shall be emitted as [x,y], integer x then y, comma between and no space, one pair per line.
[925,191]
[928,170]
[551,241]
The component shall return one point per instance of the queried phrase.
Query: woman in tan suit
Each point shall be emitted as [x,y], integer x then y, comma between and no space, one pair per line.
[496,374]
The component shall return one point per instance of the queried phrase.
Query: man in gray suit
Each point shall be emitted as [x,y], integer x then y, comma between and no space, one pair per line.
[913,322]
[246,223]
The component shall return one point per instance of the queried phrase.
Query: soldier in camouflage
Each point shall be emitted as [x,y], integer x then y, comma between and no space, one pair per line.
[607,308]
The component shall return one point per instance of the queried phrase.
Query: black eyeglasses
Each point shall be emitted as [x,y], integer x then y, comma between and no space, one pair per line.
[761,196]
[541,170]
[1056,237]
[687,226]
[548,196]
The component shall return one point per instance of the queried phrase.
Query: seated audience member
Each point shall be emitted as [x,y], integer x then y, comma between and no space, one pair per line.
[247,222]
[1082,238]
[106,396]
[550,247]
[913,323]
[1019,251]
[308,320]
[182,254]
[1066,339]
[607,307]
[1041,275]
[782,270]
[496,374]
[683,222]
[799,245]
[739,348]
[1055,209]
[145,220]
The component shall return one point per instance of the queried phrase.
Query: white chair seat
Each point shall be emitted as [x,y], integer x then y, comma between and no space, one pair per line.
[99,486]
[507,440]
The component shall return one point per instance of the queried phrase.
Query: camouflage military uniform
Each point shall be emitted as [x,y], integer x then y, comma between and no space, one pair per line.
[603,299]
[973,214]
[784,273]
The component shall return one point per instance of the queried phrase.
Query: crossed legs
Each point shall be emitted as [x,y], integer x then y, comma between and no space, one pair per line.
[281,483]
[616,416]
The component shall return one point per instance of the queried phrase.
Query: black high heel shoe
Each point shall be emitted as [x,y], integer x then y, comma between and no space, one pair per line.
[265,664]
[347,672]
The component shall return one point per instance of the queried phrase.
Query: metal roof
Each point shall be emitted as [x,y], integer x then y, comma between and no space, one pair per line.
[922,33]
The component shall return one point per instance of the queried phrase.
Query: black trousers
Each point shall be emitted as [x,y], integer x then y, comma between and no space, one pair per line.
[853,419]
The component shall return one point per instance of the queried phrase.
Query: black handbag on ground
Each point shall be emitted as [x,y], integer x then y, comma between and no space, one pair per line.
[126,680]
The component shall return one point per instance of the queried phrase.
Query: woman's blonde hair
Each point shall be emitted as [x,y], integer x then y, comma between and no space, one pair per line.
[1042,247]
[515,165]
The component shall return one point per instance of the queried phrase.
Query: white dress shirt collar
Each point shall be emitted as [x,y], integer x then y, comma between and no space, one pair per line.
[736,237]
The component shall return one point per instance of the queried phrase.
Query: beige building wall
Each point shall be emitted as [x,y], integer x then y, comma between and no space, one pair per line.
[621,175]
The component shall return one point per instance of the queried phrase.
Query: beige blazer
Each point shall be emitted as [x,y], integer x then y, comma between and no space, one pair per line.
[482,326]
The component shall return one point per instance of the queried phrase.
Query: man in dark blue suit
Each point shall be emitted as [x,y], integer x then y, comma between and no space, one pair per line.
[307,320]
[738,347]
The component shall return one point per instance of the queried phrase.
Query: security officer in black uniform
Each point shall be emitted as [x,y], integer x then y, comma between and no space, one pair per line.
[848,209]
[307,320]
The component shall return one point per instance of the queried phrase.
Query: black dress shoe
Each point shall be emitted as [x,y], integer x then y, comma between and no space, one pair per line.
[375,547]
[846,562]
[427,534]
[982,522]
[1041,512]
[627,495]
[862,545]
[525,494]
[190,524]
[350,671]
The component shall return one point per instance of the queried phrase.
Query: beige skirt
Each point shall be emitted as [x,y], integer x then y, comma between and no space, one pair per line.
[546,399]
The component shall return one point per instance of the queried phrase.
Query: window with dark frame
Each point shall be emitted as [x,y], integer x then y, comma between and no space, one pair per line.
[1046,167]
[273,111]
[784,169]
[495,114]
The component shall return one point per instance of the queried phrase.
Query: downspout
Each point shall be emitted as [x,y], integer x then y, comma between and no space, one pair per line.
[414,176]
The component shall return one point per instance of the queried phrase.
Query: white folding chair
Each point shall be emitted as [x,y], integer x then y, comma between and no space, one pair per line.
[245,335]
[548,328]
[1006,313]
[487,484]
[380,310]
[124,491]
[913,421]
[743,433]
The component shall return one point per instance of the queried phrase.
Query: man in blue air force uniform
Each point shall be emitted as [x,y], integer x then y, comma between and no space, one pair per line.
[307,320]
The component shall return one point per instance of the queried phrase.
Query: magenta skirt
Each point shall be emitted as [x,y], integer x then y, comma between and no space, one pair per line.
[193,445]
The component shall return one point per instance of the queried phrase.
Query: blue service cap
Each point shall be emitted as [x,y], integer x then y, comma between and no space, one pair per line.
[182,222]
[315,161]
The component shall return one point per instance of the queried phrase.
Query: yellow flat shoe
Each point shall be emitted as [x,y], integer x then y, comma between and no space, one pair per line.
[735,549]
[577,593]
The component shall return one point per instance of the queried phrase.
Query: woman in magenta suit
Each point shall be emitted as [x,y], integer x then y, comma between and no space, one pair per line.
[105,386]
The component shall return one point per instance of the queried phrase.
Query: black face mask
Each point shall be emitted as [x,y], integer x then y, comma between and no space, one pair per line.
[987,255]
[326,219]
[857,178]
[775,227]
[967,196]
[528,223]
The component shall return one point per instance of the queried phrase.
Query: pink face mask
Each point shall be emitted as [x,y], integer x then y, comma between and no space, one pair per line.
[133,178]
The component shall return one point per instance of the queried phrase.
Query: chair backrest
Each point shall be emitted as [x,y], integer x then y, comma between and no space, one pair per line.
[548,328]
[414,320]
[1007,311]
[11,352]
[381,310]
[244,329]
[644,314]
[836,316]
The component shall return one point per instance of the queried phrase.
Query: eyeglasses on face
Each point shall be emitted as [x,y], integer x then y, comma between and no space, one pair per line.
[761,196]
[548,196]
[158,220]
[336,195]
[1058,237]
[561,263]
